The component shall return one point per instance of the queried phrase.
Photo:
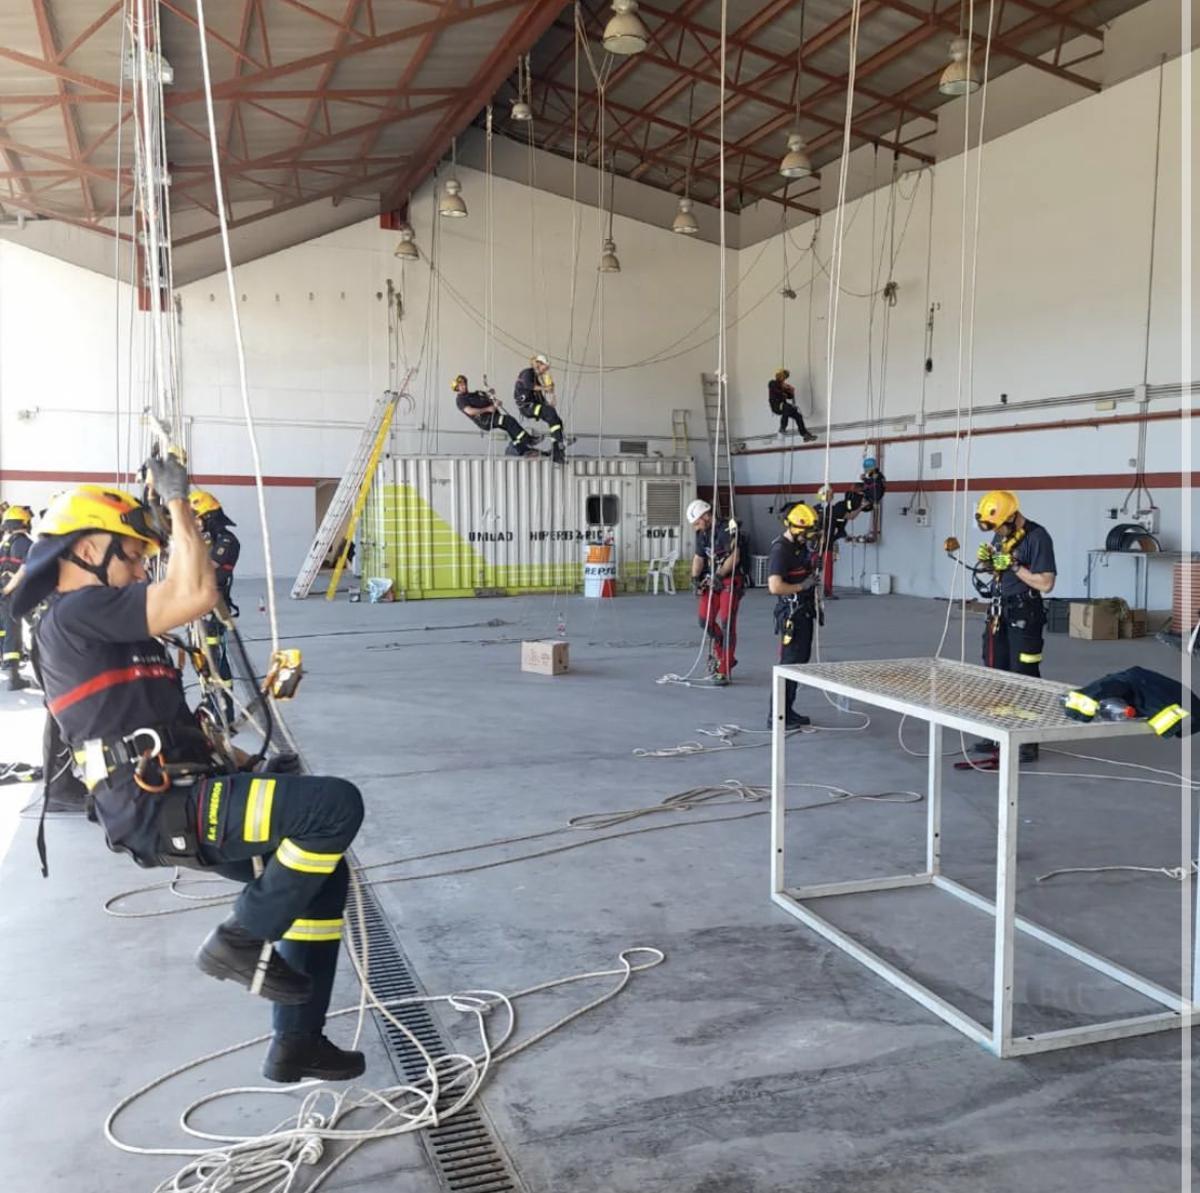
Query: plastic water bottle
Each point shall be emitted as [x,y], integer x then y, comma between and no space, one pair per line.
[1113,708]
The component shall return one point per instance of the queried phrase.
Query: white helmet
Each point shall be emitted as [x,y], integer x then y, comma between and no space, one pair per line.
[697,509]
[541,359]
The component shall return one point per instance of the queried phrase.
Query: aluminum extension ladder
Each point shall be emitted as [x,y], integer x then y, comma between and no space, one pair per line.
[356,477]
[722,478]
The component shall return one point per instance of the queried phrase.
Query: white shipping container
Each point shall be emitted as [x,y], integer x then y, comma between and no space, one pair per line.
[447,526]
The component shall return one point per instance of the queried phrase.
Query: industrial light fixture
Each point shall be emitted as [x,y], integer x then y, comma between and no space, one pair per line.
[608,258]
[521,109]
[796,163]
[608,252]
[406,246]
[451,202]
[625,33]
[685,223]
[961,76]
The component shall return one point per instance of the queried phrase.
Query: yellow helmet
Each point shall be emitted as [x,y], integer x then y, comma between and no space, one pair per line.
[17,515]
[461,377]
[782,374]
[73,513]
[92,509]
[801,517]
[202,502]
[996,508]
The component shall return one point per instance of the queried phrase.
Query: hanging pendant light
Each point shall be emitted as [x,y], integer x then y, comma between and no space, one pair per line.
[608,252]
[685,223]
[609,262]
[406,246]
[961,76]
[521,109]
[796,163]
[450,201]
[625,33]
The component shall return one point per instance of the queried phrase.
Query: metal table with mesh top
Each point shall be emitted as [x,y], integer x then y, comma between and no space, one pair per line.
[1013,710]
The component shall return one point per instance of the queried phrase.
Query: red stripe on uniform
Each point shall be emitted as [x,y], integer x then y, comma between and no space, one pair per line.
[110,679]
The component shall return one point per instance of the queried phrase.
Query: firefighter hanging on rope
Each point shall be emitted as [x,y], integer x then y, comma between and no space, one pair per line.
[165,792]
[481,407]
[14,546]
[535,398]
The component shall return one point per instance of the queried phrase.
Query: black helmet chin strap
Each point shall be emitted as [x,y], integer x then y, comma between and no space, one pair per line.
[100,570]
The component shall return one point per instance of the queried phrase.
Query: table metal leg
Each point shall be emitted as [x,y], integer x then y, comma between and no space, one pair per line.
[1006,897]
[778,778]
[933,832]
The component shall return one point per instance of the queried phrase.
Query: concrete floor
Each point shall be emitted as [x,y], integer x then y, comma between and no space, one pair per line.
[757,1058]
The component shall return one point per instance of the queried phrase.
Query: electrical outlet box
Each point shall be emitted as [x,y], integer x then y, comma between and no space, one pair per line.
[935,459]
[922,519]
[1112,514]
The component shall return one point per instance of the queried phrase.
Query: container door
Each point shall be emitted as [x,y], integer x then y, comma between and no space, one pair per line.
[661,523]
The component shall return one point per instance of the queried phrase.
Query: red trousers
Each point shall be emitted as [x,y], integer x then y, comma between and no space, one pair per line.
[718,614]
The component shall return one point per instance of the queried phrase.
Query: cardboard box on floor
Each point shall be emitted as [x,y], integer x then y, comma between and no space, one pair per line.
[1098,621]
[545,658]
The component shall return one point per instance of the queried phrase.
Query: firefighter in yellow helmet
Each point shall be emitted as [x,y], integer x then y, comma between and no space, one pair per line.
[1020,557]
[224,549]
[792,577]
[15,542]
[163,791]
[486,413]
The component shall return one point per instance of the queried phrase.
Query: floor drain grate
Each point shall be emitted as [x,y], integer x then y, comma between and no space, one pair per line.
[463,1152]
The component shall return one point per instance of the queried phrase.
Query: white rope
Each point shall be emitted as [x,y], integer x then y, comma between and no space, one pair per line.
[235,315]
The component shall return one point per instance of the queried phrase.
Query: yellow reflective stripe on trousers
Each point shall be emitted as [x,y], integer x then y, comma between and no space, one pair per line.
[1078,702]
[314,930]
[295,858]
[1029,658]
[257,825]
[1167,718]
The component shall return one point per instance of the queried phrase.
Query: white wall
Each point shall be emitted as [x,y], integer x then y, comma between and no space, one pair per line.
[1060,310]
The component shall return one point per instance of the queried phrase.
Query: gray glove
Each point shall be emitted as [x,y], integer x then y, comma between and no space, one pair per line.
[168,478]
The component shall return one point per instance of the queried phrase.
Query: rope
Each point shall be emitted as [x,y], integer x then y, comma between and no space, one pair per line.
[256,458]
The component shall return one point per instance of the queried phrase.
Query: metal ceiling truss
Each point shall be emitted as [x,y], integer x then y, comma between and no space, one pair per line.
[371,106]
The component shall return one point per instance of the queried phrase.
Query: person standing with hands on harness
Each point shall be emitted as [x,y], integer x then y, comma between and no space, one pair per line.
[792,577]
[485,412]
[1020,558]
[14,546]
[164,791]
[718,584]
[534,396]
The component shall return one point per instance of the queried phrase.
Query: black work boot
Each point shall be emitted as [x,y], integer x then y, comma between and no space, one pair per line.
[16,683]
[558,454]
[1028,752]
[984,745]
[231,954]
[292,1058]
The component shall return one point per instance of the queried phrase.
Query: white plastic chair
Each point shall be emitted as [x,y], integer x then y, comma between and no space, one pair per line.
[662,569]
